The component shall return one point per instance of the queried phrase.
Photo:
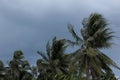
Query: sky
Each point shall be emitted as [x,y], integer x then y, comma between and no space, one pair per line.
[27,25]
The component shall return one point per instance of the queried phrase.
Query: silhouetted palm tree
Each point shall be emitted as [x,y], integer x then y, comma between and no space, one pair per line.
[15,64]
[18,68]
[2,71]
[54,61]
[95,35]
[26,71]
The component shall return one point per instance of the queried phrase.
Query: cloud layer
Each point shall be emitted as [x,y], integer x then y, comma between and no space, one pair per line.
[28,24]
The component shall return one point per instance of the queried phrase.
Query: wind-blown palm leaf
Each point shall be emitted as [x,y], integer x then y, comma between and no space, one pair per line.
[43,55]
[107,60]
[48,48]
[53,40]
[72,43]
[71,30]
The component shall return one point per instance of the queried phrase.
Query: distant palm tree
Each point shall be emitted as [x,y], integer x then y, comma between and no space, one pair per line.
[25,71]
[18,68]
[15,64]
[2,71]
[88,58]
[34,71]
[54,61]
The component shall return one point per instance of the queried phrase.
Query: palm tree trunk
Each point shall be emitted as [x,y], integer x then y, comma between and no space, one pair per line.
[87,68]
[92,73]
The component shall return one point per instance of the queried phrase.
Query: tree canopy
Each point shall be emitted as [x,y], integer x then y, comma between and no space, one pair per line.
[88,62]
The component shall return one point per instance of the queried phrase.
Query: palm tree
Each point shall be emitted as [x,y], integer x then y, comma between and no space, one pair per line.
[53,61]
[26,71]
[19,68]
[34,71]
[15,64]
[2,71]
[95,35]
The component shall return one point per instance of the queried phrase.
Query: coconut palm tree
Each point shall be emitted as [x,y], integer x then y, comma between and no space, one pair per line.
[26,71]
[34,71]
[15,64]
[2,71]
[95,35]
[18,68]
[54,61]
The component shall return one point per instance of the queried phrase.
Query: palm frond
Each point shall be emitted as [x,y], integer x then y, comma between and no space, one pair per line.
[95,64]
[71,30]
[72,43]
[53,40]
[42,55]
[48,49]
[107,60]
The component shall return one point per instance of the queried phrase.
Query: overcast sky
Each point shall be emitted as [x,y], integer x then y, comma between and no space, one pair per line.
[28,24]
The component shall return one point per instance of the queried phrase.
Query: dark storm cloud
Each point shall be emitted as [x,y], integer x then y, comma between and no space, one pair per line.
[28,24]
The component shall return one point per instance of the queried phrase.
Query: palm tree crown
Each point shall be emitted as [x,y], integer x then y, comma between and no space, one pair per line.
[95,35]
[54,60]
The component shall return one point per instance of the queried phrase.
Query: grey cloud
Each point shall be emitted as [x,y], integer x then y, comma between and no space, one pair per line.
[29,24]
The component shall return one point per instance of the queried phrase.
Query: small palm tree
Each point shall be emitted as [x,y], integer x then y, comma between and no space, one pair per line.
[25,71]
[15,64]
[53,61]
[2,71]
[88,58]
[18,68]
